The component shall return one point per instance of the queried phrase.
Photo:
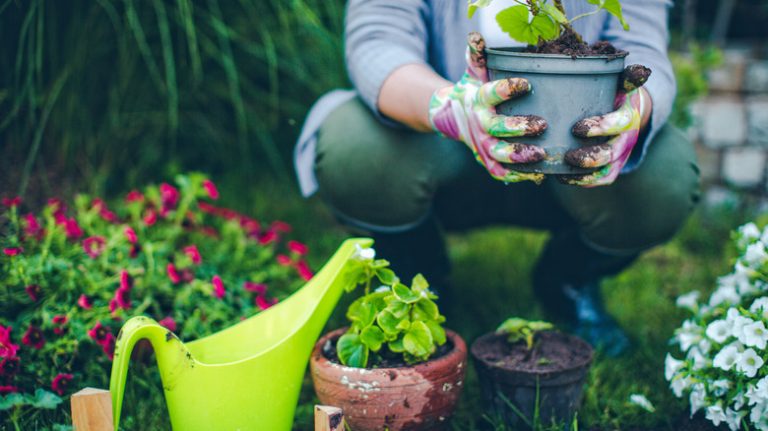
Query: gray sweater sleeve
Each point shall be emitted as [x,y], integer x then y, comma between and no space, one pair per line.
[647,45]
[381,36]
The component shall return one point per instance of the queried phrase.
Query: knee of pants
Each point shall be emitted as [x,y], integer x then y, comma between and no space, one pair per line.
[371,175]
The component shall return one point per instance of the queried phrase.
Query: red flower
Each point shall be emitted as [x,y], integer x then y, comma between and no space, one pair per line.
[108,346]
[94,246]
[304,271]
[173,274]
[267,237]
[250,226]
[61,382]
[59,321]
[85,302]
[99,333]
[169,196]
[284,260]
[7,389]
[12,202]
[280,226]
[32,227]
[126,282]
[121,299]
[168,323]
[259,288]
[12,251]
[34,291]
[7,348]
[33,337]
[104,212]
[10,366]
[193,253]
[263,303]
[130,235]
[210,188]
[134,196]
[298,248]
[218,287]
[206,207]
[150,217]
[72,229]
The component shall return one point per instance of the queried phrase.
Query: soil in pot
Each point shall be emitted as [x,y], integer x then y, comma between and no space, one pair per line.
[514,380]
[418,397]
[569,43]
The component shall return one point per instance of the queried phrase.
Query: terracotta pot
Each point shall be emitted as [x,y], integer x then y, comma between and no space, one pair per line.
[559,389]
[421,397]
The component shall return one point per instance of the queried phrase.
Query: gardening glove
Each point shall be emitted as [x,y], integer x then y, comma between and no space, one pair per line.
[622,125]
[466,112]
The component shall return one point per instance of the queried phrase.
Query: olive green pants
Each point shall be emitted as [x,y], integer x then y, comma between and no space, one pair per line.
[385,179]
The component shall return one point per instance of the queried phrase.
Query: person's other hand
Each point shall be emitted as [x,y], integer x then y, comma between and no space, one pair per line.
[466,112]
[623,126]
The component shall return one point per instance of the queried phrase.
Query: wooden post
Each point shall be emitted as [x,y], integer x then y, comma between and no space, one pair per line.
[328,418]
[92,410]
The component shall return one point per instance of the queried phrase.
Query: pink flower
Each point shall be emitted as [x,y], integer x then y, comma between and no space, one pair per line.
[263,303]
[210,188]
[169,196]
[12,202]
[250,226]
[259,288]
[85,302]
[304,271]
[169,323]
[10,366]
[172,273]
[135,249]
[108,346]
[297,247]
[32,227]
[58,210]
[34,291]
[94,246]
[130,235]
[59,322]
[134,196]
[284,260]
[113,306]
[7,389]
[33,337]
[125,280]
[150,217]
[207,208]
[99,333]
[193,253]
[13,251]
[7,348]
[122,299]
[218,287]
[72,229]
[267,237]
[61,382]
[104,212]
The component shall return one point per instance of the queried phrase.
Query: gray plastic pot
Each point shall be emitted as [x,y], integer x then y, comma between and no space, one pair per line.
[565,90]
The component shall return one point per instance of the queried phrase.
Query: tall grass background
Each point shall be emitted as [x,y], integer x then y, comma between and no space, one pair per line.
[115,90]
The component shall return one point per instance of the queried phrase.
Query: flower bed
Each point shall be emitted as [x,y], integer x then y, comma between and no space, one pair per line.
[69,277]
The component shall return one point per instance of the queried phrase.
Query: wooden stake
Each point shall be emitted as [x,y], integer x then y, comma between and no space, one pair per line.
[92,410]
[328,418]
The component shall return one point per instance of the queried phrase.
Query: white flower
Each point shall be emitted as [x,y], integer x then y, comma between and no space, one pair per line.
[764,236]
[698,359]
[697,398]
[689,334]
[704,346]
[719,331]
[671,367]
[716,414]
[749,362]
[733,418]
[738,401]
[680,384]
[641,401]
[689,300]
[758,393]
[755,255]
[760,306]
[737,322]
[755,335]
[758,415]
[727,357]
[750,232]
[724,293]
[720,387]
[364,253]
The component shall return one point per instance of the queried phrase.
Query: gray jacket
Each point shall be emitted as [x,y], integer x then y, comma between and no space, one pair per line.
[382,35]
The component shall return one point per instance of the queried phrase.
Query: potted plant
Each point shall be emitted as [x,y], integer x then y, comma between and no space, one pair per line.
[531,375]
[395,367]
[572,80]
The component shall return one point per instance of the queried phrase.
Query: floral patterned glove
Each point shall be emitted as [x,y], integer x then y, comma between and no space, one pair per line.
[466,112]
[622,125]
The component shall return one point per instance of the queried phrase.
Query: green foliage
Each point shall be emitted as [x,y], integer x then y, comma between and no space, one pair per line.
[533,21]
[518,329]
[691,75]
[393,320]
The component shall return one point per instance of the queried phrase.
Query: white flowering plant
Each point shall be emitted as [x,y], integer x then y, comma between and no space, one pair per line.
[723,344]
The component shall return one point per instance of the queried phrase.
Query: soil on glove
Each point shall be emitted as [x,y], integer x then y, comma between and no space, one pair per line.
[569,44]
[552,351]
[384,358]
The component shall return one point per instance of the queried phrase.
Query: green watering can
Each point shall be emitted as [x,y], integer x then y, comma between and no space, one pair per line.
[248,376]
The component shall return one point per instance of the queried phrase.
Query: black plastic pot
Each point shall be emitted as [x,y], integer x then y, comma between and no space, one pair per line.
[565,90]
[509,392]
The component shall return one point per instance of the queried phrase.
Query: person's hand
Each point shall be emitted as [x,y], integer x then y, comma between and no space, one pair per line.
[623,126]
[466,112]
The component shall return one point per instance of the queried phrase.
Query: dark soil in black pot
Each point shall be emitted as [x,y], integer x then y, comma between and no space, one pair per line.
[515,380]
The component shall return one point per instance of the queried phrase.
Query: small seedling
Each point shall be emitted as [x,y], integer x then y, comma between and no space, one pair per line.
[518,329]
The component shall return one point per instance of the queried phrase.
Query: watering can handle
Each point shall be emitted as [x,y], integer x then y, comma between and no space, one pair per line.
[169,350]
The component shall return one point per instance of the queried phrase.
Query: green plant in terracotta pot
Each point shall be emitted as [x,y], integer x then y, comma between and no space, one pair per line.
[395,367]
[530,374]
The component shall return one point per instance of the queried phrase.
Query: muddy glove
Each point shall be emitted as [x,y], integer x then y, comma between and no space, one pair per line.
[622,125]
[466,112]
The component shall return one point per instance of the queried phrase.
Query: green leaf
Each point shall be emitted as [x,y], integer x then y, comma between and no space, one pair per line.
[419,283]
[554,13]
[397,307]
[403,325]
[515,22]
[361,312]
[46,400]
[373,337]
[418,341]
[538,325]
[397,345]
[474,5]
[428,308]
[613,7]
[352,352]
[12,400]
[512,325]
[403,293]
[388,322]
[386,276]
[437,331]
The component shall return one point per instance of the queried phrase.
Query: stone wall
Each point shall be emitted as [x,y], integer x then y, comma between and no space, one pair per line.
[731,124]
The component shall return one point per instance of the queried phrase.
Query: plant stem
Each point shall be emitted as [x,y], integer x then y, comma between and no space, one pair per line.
[567,26]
